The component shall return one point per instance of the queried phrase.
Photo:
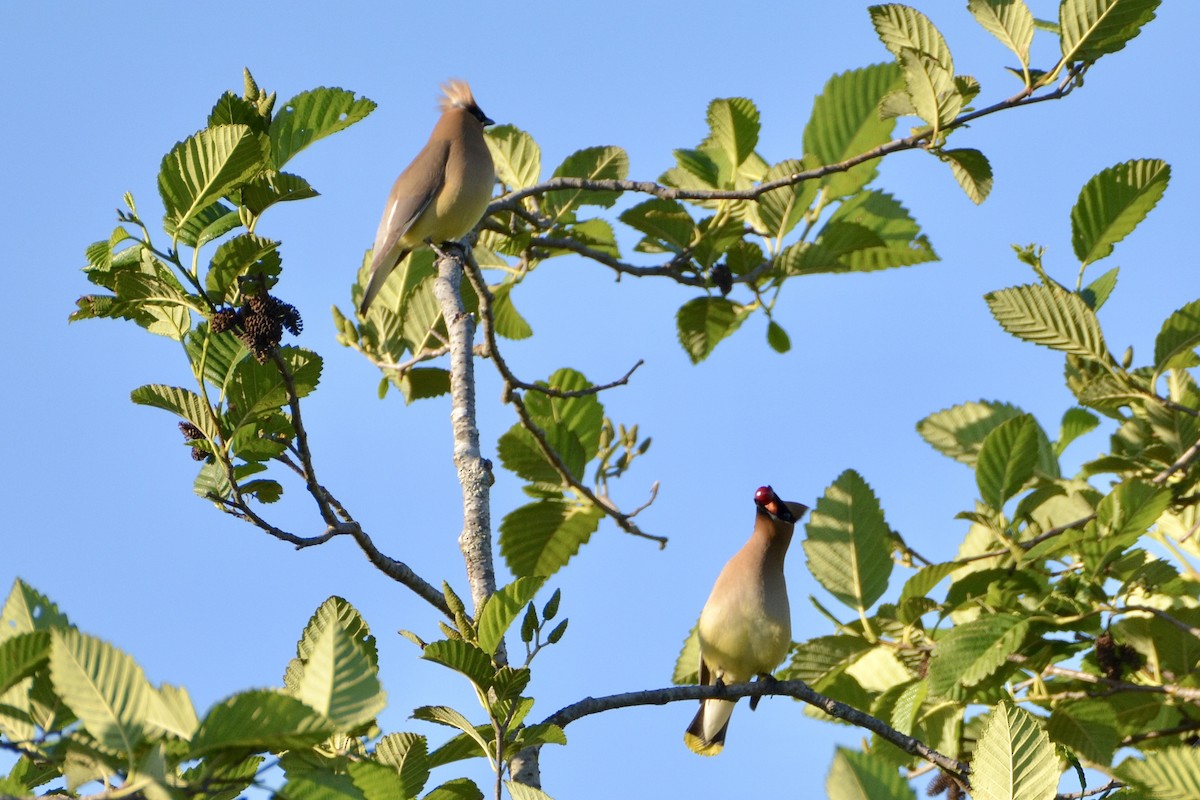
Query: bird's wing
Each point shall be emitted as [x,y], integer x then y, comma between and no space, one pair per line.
[412,193]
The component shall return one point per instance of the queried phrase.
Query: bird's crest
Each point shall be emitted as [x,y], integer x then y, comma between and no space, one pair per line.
[458,95]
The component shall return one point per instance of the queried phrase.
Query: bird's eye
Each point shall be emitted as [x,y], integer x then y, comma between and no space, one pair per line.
[764,495]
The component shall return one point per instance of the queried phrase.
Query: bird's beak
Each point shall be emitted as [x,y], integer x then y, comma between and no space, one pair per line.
[777,508]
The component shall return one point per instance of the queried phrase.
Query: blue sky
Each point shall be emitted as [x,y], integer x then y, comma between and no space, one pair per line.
[102,517]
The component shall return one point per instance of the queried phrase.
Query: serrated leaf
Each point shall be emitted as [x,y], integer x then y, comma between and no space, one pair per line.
[209,223]
[377,782]
[592,163]
[1131,508]
[246,254]
[704,321]
[934,95]
[509,322]
[1050,317]
[407,753]
[268,188]
[463,657]
[260,720]
[1178,338]
[456,789]
[313,115]
[502,608]
[667,224]
[845,122]
[777,337]
[824,657]
[22,655]
[444,715]
[105,688]
[780,210]
[1088,727]
[420,383]
[1172,773]
[972,651]
[205,166]
[1113,202]
[959,431]
[854,775]
[517,157]
[520,791]
[847,542]
[903,28]
[27,610]
[1092,28]
[687,664]
[319,784]
[1007,459]
[183,402]
[1010,21]
[924,579]
[903,242]
[338,679]
[171,712]
[734,125]
[972,170]
[539,538]
[1075,423]
[1013,759]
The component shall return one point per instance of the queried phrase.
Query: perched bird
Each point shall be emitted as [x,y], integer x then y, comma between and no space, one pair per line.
[442,194]
[746,626]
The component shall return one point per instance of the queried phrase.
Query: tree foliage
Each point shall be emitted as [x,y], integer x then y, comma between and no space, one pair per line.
[1063,633]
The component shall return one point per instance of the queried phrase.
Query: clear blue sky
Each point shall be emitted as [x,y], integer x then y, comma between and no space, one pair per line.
[101,513]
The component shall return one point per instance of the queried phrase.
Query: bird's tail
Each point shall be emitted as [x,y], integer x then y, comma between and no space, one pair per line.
[706,734]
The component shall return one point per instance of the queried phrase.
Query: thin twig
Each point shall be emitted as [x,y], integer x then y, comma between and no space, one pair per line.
[1163,615]
[1182,462]
[797,689]
[1116,686]
[591,390]
[1029,543]
[511,382]
[1108,787]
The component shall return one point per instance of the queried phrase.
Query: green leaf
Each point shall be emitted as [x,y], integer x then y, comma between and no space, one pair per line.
[848,544]
[777,337]
[268,188]
[206,225]
[959,431]
[1075,423]
[205,166]
[687,664]
[105,688]
[862,776]
[1172,773]
[502,608]
[1096,293]
[704,321]
[520,791]
[970,652]
[779,210]
[1007,458]
[338,678]
[27,610]
[21,656]
[444,715]
[456,789]
[902,28]
[845,122]
[734,124]
[465,658]
[420,383]
[1010,21]
[407,753]
[539,538]
[1014,759]
[517,157]
[509,322]
[972,170]
[260,720]
[378,782]
[1131,508]
[667,224]
[825,657]
[592,163]
[903,242]
[313,115]
[1113,202]
[247,254]
[1049,316]
[171,712]
[1087,727]
[1177,340]
[233,110]
[1093,28]
[931,89]
[319,784]
[924,579]
[219,352]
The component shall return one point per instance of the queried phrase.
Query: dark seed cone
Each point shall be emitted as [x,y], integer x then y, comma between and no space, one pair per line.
[224,320]
[190,431]
[722,278]
[263,320]
[938,785]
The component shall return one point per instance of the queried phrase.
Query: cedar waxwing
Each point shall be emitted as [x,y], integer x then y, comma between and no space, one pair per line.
[442,194]
[745,628]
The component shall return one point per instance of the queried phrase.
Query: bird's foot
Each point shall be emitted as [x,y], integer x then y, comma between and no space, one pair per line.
[767,679]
